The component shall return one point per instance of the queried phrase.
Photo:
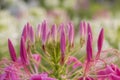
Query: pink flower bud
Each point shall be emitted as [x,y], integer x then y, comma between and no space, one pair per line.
[62,45]
[83,29]
[100,42]
[12,50]
[24,33]
[54,32]
[62,41]
[39,30]
[44,32]
[31,34]
[28,33]
[89,31]
[71,34]
[23,52]
[89,47]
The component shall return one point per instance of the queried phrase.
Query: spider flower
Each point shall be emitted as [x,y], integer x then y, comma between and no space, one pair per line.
[58,61]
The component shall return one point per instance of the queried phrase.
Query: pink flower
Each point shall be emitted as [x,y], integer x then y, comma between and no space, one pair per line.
[111,72]
[12,51]
[3,76]
[114,77]
[10,73]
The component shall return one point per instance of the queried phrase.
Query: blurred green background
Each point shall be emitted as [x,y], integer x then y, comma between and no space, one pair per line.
[14,14]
